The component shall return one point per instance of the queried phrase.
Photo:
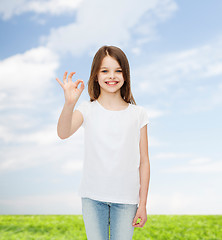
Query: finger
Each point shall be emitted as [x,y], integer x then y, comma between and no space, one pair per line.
[142,222]
[139,225]
[70,76]
[77,82]
[61,84]
[135,220]
[64,76]
[82,86]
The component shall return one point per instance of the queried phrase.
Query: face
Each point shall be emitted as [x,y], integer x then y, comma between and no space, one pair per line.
[110,77]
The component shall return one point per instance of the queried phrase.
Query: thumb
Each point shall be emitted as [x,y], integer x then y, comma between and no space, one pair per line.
[135,220]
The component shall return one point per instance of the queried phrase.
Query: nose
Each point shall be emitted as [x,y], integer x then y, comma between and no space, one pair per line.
[112,75]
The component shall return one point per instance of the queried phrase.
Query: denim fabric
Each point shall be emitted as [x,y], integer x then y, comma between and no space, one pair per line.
[98,216]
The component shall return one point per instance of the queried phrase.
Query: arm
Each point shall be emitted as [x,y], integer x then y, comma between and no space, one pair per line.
[144,167]
[65,121]
[69,122]
[144,178]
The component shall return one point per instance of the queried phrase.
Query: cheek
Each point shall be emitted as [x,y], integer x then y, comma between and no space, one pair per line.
[100,77]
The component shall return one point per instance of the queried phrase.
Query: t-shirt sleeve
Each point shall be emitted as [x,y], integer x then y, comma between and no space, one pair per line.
[83,107]
[144,119]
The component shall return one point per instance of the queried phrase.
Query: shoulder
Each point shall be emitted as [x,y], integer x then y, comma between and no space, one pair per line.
[85,103]
[142,115]
[138,108]
[84,106]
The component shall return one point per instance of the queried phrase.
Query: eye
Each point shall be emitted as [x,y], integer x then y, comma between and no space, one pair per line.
[119,70]
[104,71]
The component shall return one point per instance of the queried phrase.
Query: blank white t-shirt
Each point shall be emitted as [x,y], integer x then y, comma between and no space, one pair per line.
[111,152]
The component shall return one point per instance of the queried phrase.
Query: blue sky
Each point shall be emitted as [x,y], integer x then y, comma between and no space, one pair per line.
[174,50]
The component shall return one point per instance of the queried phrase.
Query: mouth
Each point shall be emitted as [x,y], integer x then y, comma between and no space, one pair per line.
[112,83]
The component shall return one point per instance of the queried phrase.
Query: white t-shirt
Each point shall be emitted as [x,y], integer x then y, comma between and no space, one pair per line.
[111,152]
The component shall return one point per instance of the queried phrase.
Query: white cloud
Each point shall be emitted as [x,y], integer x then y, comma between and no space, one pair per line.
[186,79]
[199,160]
[46,135]
[155,113]
[114,24]
[25,82]
[136,50]
[180,68]
[158,203]
[54,7]
[202,167]
[207,202]
[27,77]
[152,141]
[171,155]
[209,97]
[71,167]
[37,149]
[190,163]
[60,203]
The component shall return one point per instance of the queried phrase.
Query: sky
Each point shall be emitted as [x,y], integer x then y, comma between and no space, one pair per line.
[175,53]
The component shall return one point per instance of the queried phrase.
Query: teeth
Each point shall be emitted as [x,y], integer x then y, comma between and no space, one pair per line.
[111,83]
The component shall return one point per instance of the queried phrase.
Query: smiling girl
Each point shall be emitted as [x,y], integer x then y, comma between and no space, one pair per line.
[116,169]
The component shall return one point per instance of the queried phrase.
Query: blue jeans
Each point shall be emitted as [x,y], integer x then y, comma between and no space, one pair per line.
[98,216]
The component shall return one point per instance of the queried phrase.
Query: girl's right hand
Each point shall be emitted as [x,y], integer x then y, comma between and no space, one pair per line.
[71,91]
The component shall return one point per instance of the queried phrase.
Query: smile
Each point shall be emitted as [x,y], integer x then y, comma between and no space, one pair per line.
[114,83]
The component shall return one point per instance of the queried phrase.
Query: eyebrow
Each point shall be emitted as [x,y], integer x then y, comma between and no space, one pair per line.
[107,67]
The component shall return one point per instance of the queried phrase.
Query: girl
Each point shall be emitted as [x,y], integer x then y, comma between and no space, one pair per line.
[116,170]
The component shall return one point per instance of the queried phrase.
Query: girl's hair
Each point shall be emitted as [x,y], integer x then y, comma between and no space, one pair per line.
[120,57]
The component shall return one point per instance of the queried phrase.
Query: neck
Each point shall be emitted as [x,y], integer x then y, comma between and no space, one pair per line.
[110,99]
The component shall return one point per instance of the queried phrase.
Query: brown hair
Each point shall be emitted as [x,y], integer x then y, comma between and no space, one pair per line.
[120,57]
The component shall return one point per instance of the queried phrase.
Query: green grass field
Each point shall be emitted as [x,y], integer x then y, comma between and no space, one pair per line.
[67,227]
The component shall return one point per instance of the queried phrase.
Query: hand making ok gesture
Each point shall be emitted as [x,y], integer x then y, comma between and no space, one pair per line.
[71,90]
